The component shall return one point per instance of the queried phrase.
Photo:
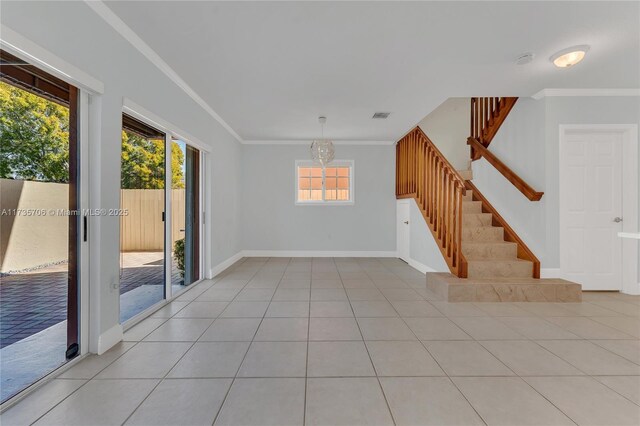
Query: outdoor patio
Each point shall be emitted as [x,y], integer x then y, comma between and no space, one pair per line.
[33,314]
[34,301]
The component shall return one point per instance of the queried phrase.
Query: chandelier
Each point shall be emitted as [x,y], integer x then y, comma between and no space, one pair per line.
[322,150]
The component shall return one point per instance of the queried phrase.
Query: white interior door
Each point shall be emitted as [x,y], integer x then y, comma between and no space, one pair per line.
[403,230]
[591,208]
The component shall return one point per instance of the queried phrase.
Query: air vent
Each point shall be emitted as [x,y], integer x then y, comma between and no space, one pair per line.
[381,115]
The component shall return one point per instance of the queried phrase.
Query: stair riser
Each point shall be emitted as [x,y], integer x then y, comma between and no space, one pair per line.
[471,207]
[483,234]
[500,269]
[476,220]
[468,196]
[453,289]
[490,251]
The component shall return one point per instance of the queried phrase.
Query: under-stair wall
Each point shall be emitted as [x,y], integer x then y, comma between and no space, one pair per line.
[424,254]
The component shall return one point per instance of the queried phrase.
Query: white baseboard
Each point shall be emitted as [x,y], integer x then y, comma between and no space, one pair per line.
[420,266]
[109,338]
[632,291]
[225,264]
[550,273]
[317,253]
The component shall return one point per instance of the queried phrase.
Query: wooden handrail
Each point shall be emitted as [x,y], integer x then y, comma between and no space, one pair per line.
[509,234]
[423,173]
[511,176]
[487,115]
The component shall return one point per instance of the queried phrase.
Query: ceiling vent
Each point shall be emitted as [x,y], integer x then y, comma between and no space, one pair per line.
[381,115]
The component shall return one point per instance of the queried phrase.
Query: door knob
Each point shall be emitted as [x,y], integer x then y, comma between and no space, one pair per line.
[617,219]
[406,222]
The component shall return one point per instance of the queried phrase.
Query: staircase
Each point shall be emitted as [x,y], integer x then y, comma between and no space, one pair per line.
[487,259]
[488,253]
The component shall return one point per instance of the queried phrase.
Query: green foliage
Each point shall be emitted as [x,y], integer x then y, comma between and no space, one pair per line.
[34,137]
[178,253]
[142,163]
[34,145]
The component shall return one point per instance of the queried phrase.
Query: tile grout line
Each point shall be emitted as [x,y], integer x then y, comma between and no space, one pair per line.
[94,377]
[392,271]
[161,380]
[375,370]
[434,358]
[306,372]
[233,380]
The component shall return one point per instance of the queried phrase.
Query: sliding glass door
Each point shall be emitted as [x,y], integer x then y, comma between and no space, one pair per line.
[185,217]
[40,224]
[160,253]
[142,223]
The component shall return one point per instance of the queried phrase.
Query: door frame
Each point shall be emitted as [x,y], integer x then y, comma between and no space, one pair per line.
[398,228]
[90,91]
[630,284]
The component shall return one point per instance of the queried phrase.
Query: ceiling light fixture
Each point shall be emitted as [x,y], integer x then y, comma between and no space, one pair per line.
[570,56]
[322,150]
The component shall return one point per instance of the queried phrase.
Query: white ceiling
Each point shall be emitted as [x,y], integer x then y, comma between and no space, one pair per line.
[269,69]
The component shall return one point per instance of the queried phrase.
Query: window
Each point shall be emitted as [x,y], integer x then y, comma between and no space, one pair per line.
[333,185]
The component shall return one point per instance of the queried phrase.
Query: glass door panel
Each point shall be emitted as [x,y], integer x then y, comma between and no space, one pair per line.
[142,235]
[38,224]
[185,208]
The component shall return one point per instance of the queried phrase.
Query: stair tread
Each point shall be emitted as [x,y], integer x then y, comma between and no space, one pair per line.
[496,260]
[482,227]
[506,243]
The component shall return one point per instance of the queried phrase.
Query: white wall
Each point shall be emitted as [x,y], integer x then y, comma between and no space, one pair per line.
[520,144]
[448,128]
[272,221]
[528,142]
[74,33]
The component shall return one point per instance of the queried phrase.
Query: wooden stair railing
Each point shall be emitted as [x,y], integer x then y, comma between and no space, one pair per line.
[423,173]
[511,176]
[487,115]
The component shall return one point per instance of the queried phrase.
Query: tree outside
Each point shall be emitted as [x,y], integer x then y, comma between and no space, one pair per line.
[34,137]
[34,145]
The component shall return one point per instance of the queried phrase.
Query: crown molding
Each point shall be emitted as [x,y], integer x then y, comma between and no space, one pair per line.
[128,34]
[544,93]
[307,142]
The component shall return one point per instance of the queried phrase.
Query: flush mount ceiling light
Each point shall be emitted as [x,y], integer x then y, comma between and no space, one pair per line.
[570,56]
[322,150]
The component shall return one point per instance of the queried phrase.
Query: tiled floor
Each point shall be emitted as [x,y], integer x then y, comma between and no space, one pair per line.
[349,342]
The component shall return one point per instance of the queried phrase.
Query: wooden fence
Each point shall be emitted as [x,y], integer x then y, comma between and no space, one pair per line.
[142,228]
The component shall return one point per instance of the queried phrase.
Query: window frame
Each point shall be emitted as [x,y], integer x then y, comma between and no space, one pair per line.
[336,163]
